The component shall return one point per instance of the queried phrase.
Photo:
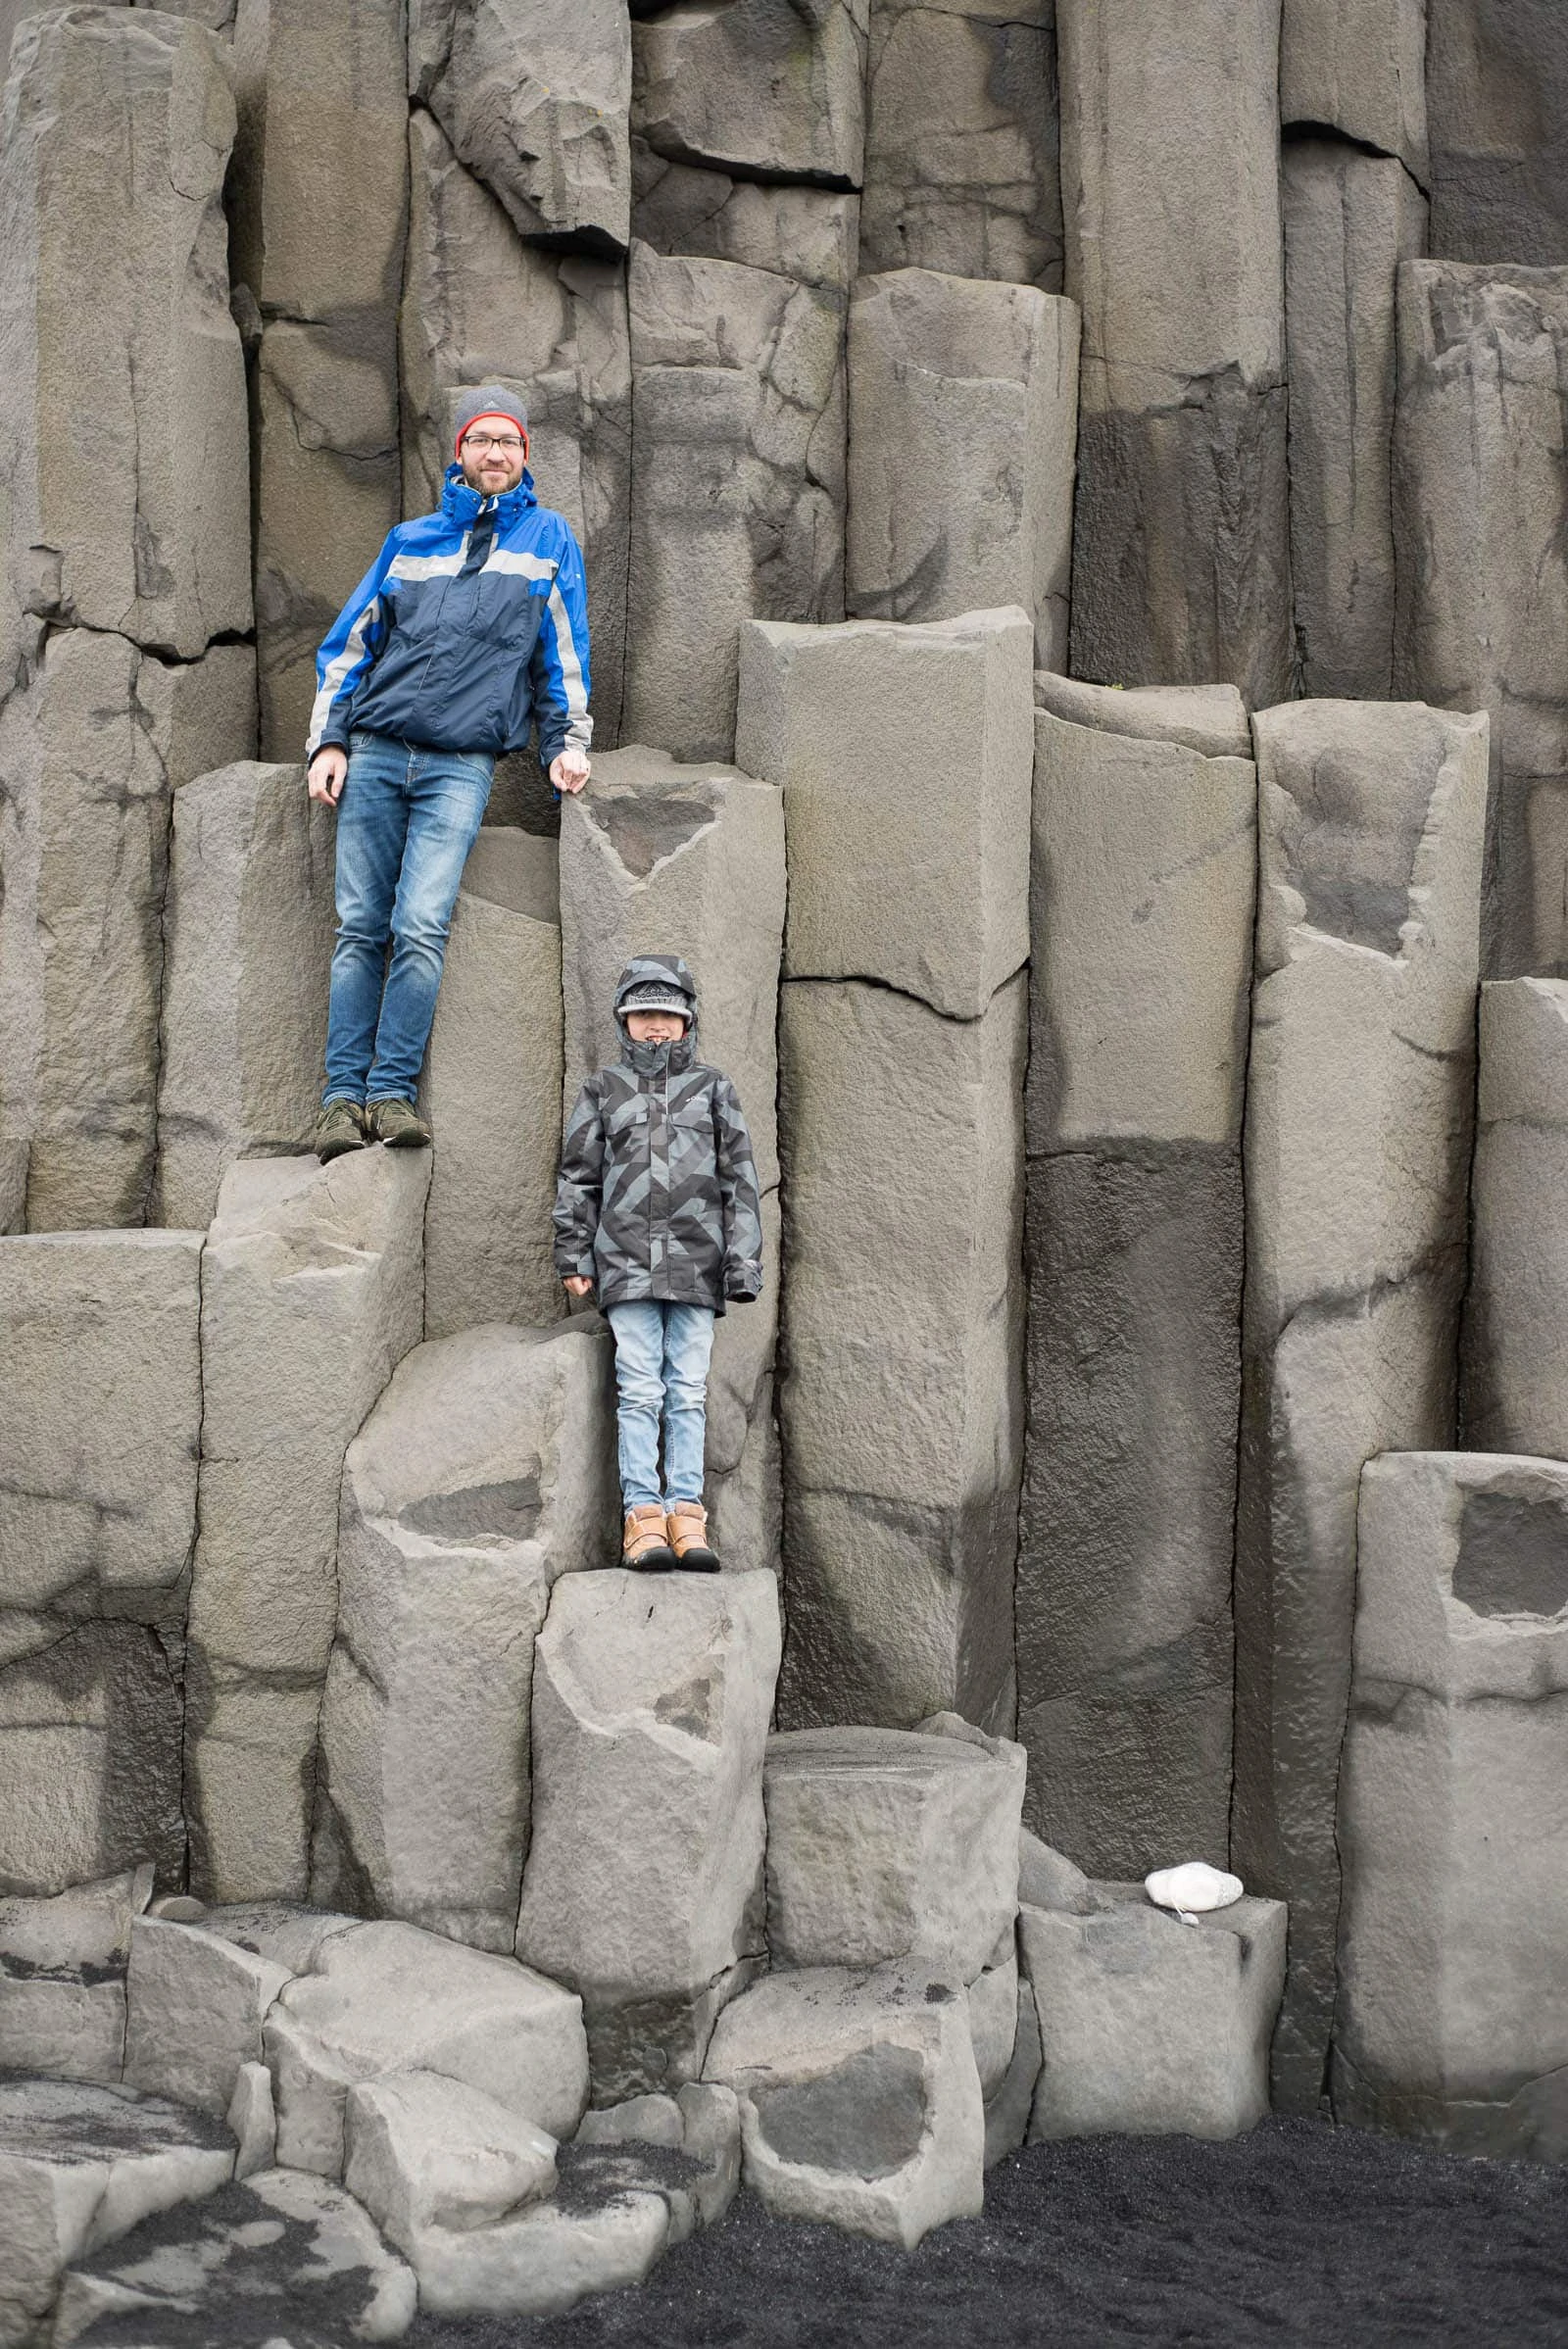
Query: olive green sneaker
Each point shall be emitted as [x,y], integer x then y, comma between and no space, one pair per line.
[399,1125]
[339,1128]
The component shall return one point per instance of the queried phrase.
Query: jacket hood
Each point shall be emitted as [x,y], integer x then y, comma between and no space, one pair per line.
[667,970]
[462,505]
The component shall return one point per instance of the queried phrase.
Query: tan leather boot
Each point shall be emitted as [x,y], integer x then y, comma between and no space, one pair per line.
[642,1542]
[687,1528]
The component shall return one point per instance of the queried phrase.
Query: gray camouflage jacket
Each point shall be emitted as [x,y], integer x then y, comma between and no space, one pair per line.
[657,1196]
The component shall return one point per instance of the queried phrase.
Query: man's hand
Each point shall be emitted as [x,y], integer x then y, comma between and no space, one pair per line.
[328,772]
[569,771]
[574,1283]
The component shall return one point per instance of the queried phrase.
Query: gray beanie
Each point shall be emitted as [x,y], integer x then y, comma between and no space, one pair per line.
[490,400]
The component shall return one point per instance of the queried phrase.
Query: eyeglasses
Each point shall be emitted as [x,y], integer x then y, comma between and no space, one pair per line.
[506,442]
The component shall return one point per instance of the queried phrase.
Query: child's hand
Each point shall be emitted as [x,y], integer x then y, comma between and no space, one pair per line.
[575,1285]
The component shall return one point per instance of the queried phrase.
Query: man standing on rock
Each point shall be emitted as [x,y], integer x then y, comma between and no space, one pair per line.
[469,628]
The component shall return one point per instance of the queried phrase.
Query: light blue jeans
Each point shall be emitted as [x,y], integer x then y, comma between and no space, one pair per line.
[661,1356]
[405,825]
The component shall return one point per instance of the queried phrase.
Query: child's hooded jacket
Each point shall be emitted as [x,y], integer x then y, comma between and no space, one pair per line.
[657,1191]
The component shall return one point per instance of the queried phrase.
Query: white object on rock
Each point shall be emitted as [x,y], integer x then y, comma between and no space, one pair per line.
[1193,1889]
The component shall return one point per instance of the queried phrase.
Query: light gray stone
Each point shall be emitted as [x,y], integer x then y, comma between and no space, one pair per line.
[1350,220]
[1497,102]
[428,2151]
[1359,1097]
[860,2100]
[777,92]
[196,2005]
[1480,535]
[491,1089]
[962,166]
[1150,2026]
[993,2018]
[248,928]
[1008,2107]
[811,233]
[285,1931]
[651,1706]
[1515,1389]
[1049,1880]
[1452,2016]
[253,2120]
[390,1998]
[63,1979]
[738,491]
[1359,67]
[1211,719]
[311,1293]
[885,1845]
[963,424]
[1180,564]
[919,877]
[543,2261]
[901,1406]
[486,1469]
[534,96]
[687,2148]
[742,1479]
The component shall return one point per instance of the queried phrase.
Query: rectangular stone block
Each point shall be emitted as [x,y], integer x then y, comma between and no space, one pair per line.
[1452,2019]
[1514,1396]
[918,878]
[196,2004]
[777,92]
[1180,562]
[1360,1090]
[248,929]
[1350,220]
[1497,102]
[813,233]
[1211,719]
[901,1405]
[963,427]
[1359,67]
[63,1979]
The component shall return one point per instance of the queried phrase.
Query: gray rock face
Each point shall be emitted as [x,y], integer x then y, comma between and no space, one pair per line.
[248,928]
[1180,568]
[632,2144]
[902,1408]
[860,2100]
[961,165]
[963,419]
[1350,220]
[811,233]
[63,1979]
[1515,1390]
[1357,1148]
[651,1706]
[1359,67]
[311,1293]
[424,2151]
[533,94]
[917,880]
[197,2001]
[1453,2019]
[1211,719]
[737,497]
[1498,97]
[1150,2026]
[1478,528]
[486,1469]
[492,1090]
[884,1845]
[777,91]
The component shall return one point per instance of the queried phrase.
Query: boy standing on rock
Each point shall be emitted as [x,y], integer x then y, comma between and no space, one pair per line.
[658,1209]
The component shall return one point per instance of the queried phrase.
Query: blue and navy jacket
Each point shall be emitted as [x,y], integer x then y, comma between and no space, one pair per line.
[470,624]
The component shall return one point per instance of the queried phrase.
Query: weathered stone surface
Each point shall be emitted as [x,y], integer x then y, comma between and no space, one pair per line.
[811,233]
[860,2100]
[1350,220]
[737,482]
[311,1294]
[1049,1880]
[651,1706]
[428,2151]
[479,306]
[1515,1389]
[742,1481]
[902,1407]
[884,1845]
[1008,2108]
[486,1469]
[919,877]
[1211,719]
[1453,2019]
[390,1998]
[116,134]
[1360,1090]
[534,94]
[779,92]
[1151,2025]
[962,168]
[286,1932]
[994,2018]
[687,2145]
[63,1979]
[1359,67]
[196,2005]
[492,1090]
[79,2166]
[964,424]
[1497,100]
[1479,526]
[1180,568]
[546,2259]
[253,2120]
[296,2254]
[248,928]
[92,748]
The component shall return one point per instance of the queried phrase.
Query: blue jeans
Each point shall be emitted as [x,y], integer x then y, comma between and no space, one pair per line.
[405,825]
[661,1354]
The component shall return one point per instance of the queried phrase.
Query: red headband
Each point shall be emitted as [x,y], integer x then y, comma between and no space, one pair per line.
[490,415]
